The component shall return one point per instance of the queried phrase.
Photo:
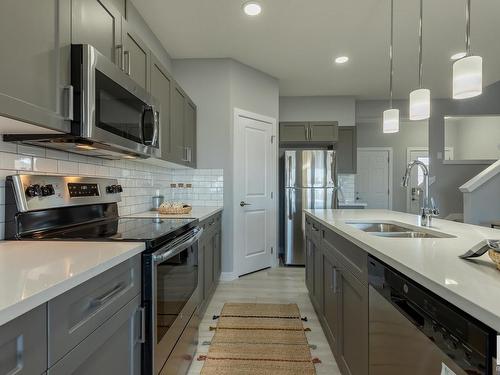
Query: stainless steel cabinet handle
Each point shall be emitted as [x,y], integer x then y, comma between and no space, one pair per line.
[126,56]
[142,336]
[334,280]
[307,132]
[310,132]
[243,204]
[119,56]
[107,296]
[289,171]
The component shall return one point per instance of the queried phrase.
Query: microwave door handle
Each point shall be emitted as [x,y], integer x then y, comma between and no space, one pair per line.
[159,258]
[156,125]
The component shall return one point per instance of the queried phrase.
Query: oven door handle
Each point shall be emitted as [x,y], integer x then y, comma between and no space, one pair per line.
[161,257]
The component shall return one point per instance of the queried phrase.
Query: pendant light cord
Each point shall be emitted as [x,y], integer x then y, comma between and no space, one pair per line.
[467,27]
[420,48]
[391,53]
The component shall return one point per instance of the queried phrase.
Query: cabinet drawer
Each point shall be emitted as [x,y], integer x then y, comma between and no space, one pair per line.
[77,313]
[355,258]
[316,232]
[211,224]
[113,348]
[23,344]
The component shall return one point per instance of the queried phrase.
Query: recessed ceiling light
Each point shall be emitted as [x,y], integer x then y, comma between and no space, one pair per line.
[458,55]
[341,59]
[252,8]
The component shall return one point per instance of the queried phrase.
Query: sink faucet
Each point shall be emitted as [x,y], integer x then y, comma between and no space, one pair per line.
[429,208]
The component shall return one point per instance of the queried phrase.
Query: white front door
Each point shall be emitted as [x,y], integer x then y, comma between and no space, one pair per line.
[254,183]
[372,179]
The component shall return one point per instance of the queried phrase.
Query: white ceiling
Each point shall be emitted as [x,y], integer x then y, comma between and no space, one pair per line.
[296,40]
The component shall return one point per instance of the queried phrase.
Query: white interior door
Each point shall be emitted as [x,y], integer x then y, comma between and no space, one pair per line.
[372,179]
[254,182]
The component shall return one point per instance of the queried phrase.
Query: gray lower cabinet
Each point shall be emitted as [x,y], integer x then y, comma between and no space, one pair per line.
[23,344]
[136,56]
[113,348]
[161,88]
[98,23]
[347,150]
[343,305]
[35,38]
[209,258]
[75,314]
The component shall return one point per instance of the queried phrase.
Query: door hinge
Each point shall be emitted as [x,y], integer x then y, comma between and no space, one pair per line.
[272,195]
[272,139]
[272,250]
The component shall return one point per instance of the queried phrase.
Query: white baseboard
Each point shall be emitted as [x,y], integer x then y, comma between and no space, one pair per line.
[228,276]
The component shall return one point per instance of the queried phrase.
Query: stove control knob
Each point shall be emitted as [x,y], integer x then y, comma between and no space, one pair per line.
[47,190]
[119,189]
[33,191]
[110,189]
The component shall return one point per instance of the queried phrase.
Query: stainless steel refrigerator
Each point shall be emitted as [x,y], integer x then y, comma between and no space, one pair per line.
[310,181]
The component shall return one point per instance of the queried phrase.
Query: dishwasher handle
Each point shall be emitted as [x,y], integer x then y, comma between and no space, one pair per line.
[409,310]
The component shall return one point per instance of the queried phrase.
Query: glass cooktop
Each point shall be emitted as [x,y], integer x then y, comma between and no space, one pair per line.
[152,231]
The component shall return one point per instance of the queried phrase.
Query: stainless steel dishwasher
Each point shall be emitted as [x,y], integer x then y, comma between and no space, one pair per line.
[413,331]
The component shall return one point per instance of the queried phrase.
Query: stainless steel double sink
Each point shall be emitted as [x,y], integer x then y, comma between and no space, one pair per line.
[392,230]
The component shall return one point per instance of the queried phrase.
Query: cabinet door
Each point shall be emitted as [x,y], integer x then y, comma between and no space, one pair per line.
[113,348]
[136,56]
[23,343]
[347,150]
[190,134]
[217,255]
[294,132]
[309,265]
[35,39]
[331,300]
[323,131]
[161,89]
[98,23]
[353,321]
[178,116]
[208,269]
[318,276]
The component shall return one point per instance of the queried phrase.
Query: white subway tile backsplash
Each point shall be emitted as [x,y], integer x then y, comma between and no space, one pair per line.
[206,190]
[44,165]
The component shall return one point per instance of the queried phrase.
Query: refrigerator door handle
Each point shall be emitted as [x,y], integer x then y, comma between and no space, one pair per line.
[290,171]
[290,211]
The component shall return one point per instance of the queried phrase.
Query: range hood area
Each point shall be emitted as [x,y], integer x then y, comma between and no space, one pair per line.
[74,144]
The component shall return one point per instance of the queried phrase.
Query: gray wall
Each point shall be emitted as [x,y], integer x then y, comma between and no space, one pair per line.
[217,86]
[318,108]
[411,134]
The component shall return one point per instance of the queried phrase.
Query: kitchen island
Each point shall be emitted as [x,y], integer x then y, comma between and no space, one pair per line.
[342,247]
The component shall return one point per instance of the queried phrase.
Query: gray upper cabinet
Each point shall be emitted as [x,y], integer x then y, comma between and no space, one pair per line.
[294,132]
[183,131]
[190,133]
[305,132]
[136,56]
[99,23]
[35,69]
[347,150]
[161,88]
[23,344]
[323,132]
[113,348]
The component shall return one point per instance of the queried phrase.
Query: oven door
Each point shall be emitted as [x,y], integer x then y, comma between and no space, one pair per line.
[175,293]
[110,107]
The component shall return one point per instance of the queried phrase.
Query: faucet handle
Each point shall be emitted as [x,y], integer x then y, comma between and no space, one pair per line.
[434,208]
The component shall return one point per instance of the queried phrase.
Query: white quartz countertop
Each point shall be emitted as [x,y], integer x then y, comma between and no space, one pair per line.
[198,212]
[34,272]
[473,286]
[353,203]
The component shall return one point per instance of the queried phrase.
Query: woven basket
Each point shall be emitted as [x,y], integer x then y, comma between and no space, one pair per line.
[171,210]
[495,257]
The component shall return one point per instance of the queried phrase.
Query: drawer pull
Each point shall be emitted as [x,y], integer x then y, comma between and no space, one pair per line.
[106,297]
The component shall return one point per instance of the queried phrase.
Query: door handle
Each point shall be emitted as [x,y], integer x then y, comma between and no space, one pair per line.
[243,204]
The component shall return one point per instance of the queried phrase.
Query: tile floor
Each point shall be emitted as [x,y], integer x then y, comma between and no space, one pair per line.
[277,285]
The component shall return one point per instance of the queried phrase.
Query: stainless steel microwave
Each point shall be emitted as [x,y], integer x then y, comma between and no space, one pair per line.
[113,117]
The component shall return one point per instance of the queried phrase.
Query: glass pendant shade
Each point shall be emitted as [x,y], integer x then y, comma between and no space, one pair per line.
[468,77]
[391,121]
[420,104]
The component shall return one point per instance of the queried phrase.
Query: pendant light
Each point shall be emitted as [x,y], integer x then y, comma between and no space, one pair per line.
[420,99]
[390,122]
[467,71]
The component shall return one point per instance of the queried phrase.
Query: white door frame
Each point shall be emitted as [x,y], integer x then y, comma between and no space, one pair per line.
[238,112]
[390,151]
